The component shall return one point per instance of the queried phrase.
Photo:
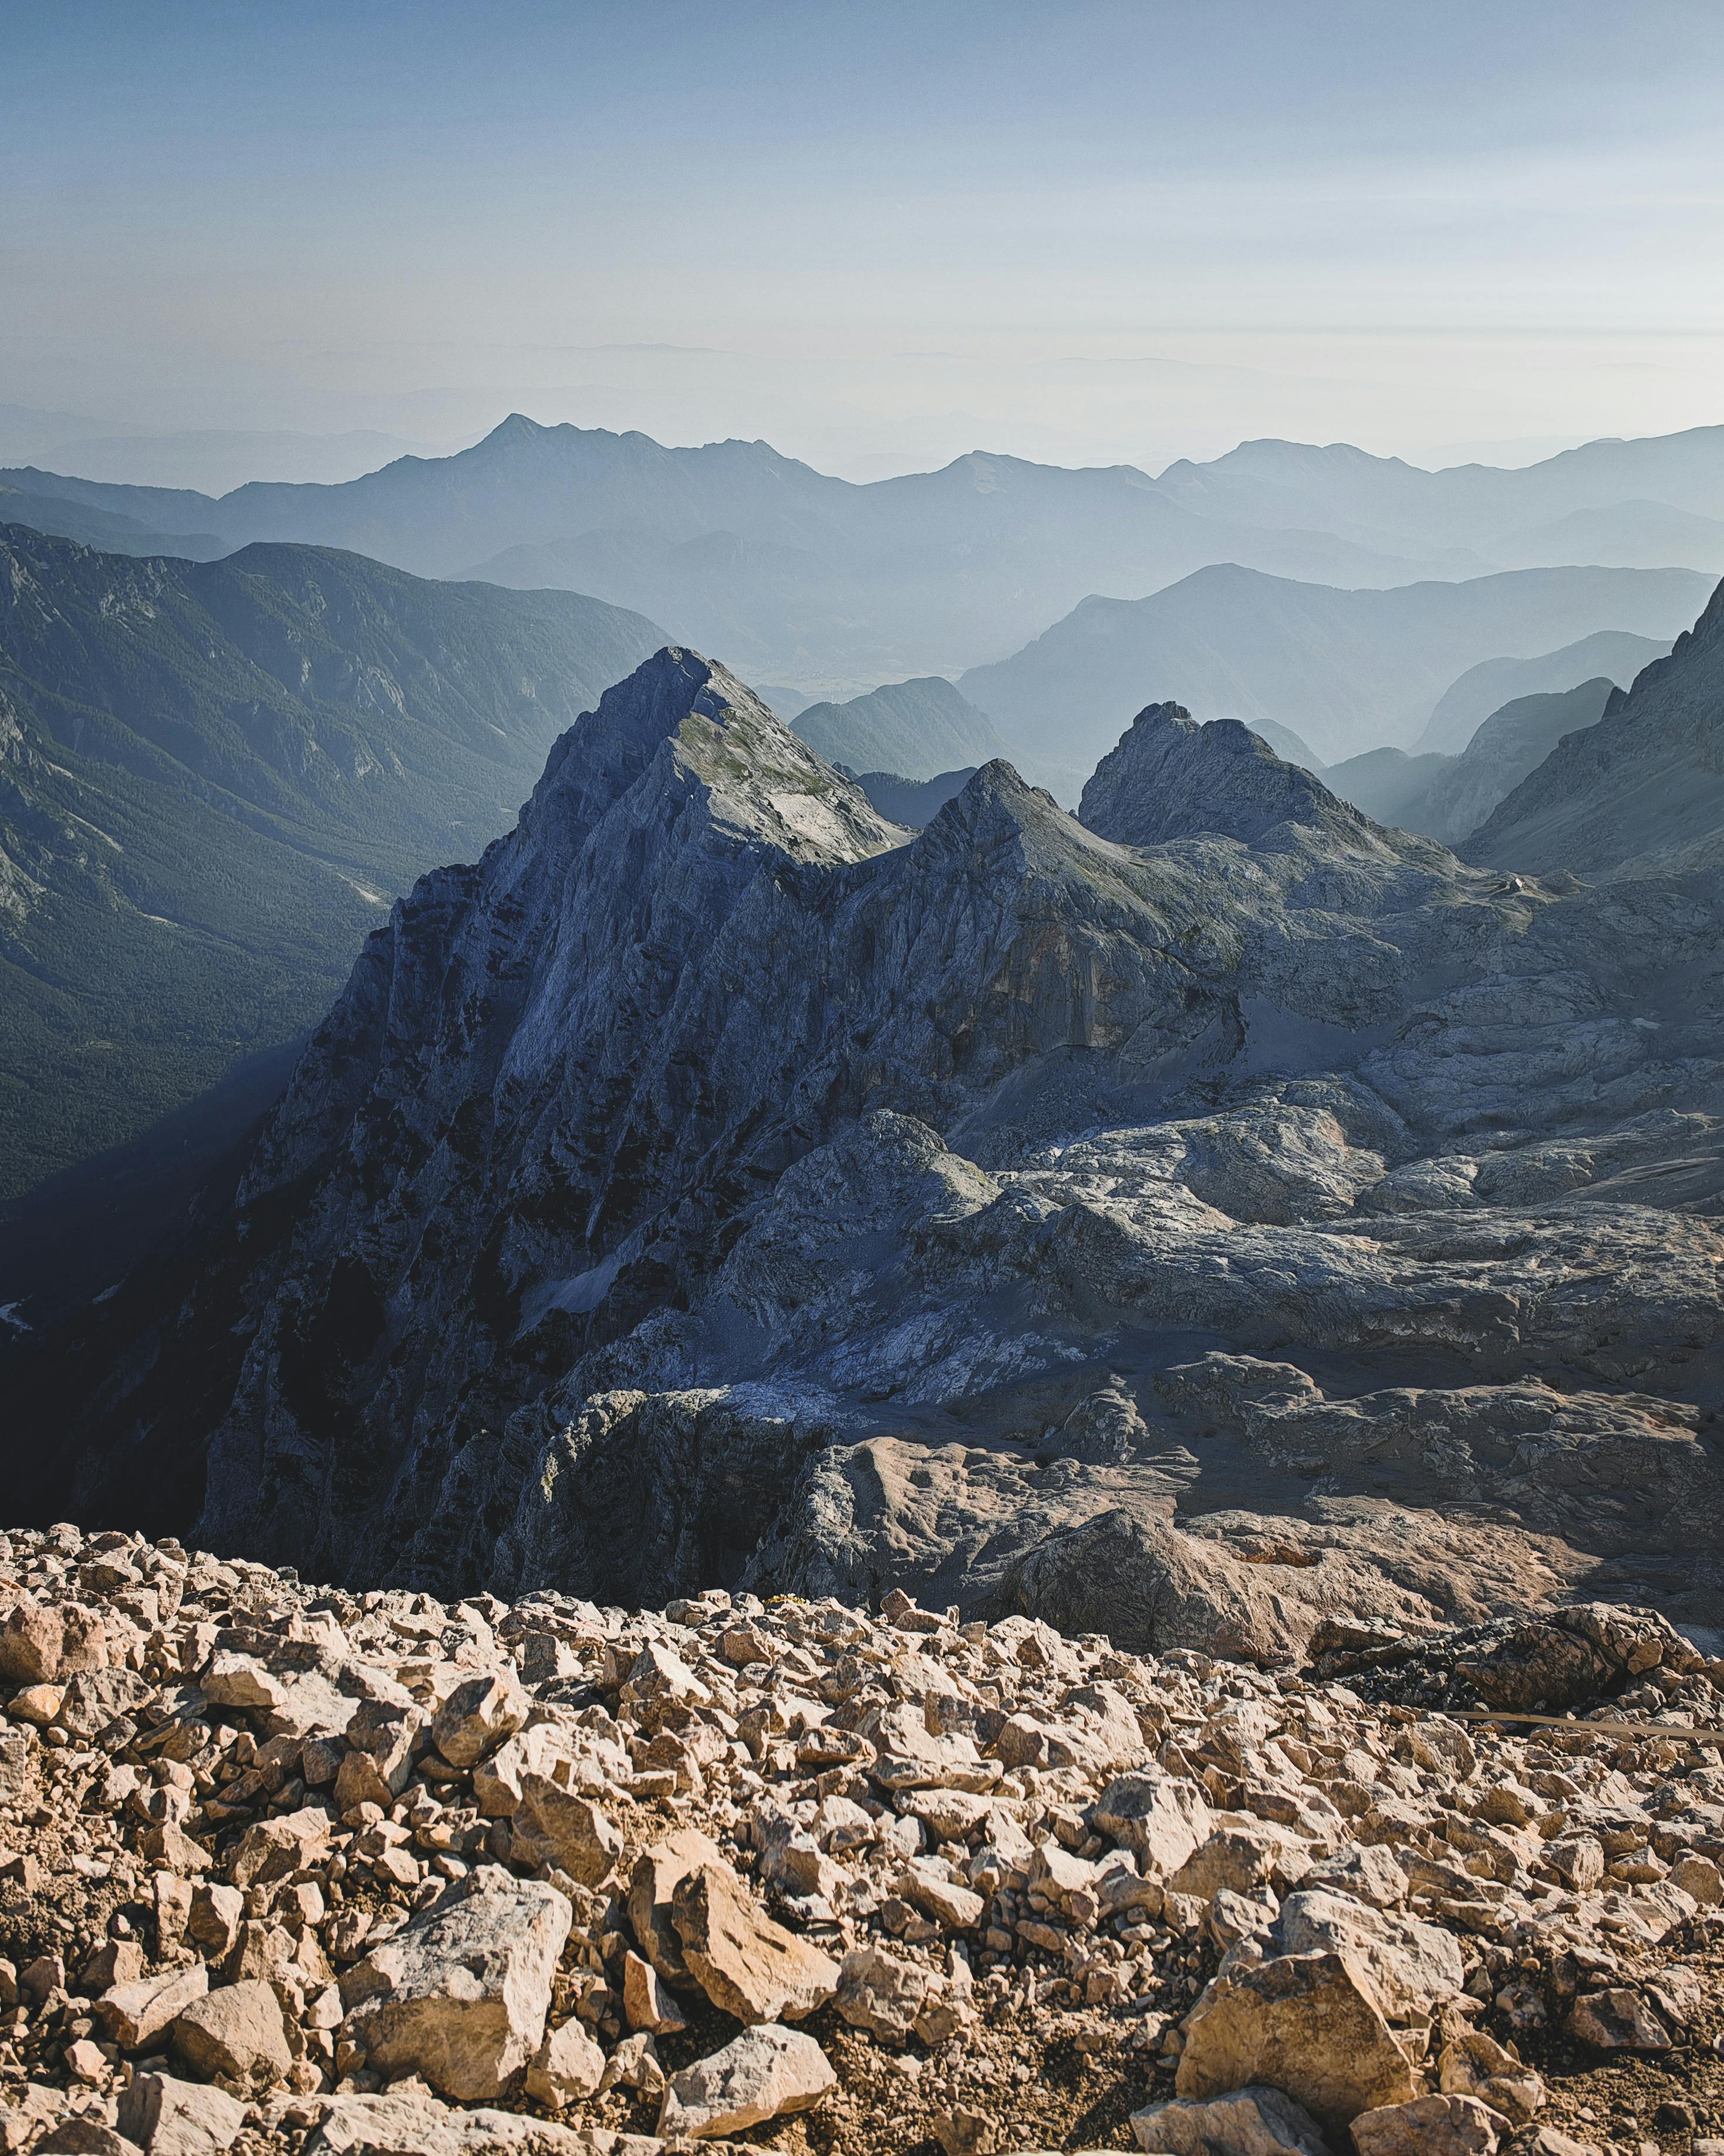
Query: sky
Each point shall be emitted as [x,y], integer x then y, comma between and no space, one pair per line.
[877,235]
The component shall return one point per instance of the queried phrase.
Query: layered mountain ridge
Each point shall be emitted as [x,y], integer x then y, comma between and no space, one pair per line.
[1349,670]
[717,1182]
[811,580]
[1640,793]
[214,777]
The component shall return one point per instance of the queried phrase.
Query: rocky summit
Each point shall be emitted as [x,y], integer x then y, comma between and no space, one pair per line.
[293,1871]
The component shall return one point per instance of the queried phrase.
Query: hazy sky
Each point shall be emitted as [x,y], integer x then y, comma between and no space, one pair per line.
[878,234]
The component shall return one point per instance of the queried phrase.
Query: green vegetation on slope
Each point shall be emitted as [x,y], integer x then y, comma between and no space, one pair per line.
[214,778]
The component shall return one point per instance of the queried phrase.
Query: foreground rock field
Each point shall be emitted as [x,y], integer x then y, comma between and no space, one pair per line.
[284,1869]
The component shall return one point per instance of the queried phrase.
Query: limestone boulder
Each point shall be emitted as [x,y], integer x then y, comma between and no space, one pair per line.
[1307,2024]
[477,1715]
[648,2002]
[1161,1819]
[567,2067]
[658,1871]
[1251,2122]
[235,2036]
[1475,2064]
[461,1996]
[1430,2126]
[765,2074]
[133,2015]
[745,1963]
[889,1997]
[1410,1965]
[1618,2020]
[553,1825]
[167,2117]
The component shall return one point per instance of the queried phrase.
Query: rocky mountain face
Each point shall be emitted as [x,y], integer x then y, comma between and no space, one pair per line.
[1196,1219]
[1638,794]
[214,778]
[296,1872]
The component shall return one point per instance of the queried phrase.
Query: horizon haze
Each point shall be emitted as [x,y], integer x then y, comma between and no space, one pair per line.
[1127,234]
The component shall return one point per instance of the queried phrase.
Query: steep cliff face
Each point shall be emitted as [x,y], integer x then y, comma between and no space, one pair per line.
[716,1181]
[1640,793]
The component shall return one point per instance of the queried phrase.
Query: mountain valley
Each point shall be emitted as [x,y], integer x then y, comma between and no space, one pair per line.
[213,780]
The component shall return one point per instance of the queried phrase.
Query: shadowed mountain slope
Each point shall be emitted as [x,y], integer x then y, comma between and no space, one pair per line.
[1642,792]
[1465,704]
[1447,796]
[213,779]
[916,728]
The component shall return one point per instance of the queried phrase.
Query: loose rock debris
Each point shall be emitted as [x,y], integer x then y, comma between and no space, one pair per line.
[294,1872]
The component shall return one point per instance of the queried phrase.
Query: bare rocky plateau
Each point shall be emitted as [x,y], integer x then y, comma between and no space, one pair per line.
[286,1869]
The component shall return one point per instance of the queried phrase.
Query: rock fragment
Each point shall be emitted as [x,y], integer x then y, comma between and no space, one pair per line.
[235,2036]
[566,2066]
[658,1871]
[133,2015]
[1618,2020]
[477,1715]
[1251,2122]
[1309,2025]
[1430,2126]
[167,2117]
[461,1996]
[766,2073]
[745,1963]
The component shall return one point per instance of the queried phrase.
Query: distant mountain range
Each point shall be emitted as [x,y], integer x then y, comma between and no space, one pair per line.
[1465,706]
[804,578]
[915,729]
[1347,670]
[1449,797]
[109,529]
[1381,502]
[214,778]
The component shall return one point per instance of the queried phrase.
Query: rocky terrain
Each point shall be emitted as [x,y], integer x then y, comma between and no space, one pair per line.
[296,1871]
[1194,1220]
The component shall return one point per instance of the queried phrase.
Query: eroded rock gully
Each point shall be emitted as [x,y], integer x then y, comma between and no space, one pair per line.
[293,1871]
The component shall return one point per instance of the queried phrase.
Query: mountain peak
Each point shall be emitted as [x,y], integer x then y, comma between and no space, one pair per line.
[715,733]
[516,428]
[1170,777]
